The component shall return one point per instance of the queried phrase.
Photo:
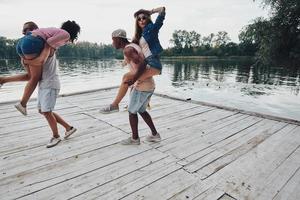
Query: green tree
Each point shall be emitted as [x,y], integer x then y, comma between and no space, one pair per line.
[278,38]
[221,38]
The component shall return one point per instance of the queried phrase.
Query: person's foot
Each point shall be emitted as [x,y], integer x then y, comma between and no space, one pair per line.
[109,109]
[130,141]
[70,132]
[21,108]
[53,142]
[153,138]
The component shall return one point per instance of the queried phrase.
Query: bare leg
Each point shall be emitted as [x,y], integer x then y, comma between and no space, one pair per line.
[61,121]
[122,90]
[147,118]
[149,72]
[133,120]
[52,123]
[15,78]
[36,73]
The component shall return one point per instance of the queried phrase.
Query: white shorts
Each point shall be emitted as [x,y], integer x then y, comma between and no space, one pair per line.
[47,99]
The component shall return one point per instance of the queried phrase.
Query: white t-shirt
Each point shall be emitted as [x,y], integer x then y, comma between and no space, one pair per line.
[50,78]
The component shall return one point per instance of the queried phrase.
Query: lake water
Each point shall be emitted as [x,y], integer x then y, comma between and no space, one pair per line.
[232,83]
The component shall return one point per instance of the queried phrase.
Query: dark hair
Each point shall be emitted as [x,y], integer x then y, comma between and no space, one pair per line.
[124,40]
[139,30]
[72,28]
[29,26]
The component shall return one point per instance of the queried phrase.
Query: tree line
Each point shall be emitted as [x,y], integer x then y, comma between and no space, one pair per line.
[191,43]
[184,44]
[78,50]
[275,40]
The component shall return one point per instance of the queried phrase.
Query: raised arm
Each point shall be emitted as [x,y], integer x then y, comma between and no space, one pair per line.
[160,10]
[160,18]
[60,38]
[135,60]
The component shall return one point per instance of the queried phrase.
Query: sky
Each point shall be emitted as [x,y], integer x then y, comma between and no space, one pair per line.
[98,18]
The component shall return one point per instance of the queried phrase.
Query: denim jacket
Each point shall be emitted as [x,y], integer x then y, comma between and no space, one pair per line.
[150,34]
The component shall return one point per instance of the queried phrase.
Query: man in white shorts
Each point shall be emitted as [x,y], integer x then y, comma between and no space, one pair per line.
[48,91]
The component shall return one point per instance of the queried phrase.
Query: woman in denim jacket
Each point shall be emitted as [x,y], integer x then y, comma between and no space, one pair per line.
[146,36]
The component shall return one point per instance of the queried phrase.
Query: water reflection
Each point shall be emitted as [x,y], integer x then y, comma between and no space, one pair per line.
[234,83]
[234,71]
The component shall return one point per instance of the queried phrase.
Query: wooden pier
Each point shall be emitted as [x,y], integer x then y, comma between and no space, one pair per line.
[206,152]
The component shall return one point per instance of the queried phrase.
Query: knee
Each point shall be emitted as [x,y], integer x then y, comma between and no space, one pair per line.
[127,76]
[132,114]
[46,114]
[143,113]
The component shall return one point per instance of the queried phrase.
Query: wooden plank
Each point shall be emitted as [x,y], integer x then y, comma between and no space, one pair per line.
[290,191]
[177,131]
[166,187]
[43,156]
[23,140]
[242,177]
[232,150]
[132,182]
[274,183]
[189,145]
[68,178]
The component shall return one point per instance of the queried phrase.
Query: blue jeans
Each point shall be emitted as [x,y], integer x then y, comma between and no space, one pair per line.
[138,101]
[154,62]
[30,45]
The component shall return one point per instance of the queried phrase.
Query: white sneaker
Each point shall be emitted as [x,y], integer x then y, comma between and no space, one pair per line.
[21,109]
[109,109]
[70,132]
[53,142]
[153,138]
[131,141]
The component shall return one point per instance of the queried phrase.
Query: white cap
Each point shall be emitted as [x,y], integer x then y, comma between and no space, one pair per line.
[119,33]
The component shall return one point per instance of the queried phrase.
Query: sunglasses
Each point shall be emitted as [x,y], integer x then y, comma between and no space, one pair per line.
[141,18]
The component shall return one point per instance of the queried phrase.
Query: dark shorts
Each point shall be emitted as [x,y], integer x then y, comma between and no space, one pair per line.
[154,62]
[30,45]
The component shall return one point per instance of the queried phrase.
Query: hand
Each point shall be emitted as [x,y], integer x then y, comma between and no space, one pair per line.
[23,62]
[138,82]
[129,82]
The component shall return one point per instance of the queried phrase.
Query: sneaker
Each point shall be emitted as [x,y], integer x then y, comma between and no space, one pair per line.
[131,141]
[109,109]
[53,142]
[70,132]
[153,138]
[21,109]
